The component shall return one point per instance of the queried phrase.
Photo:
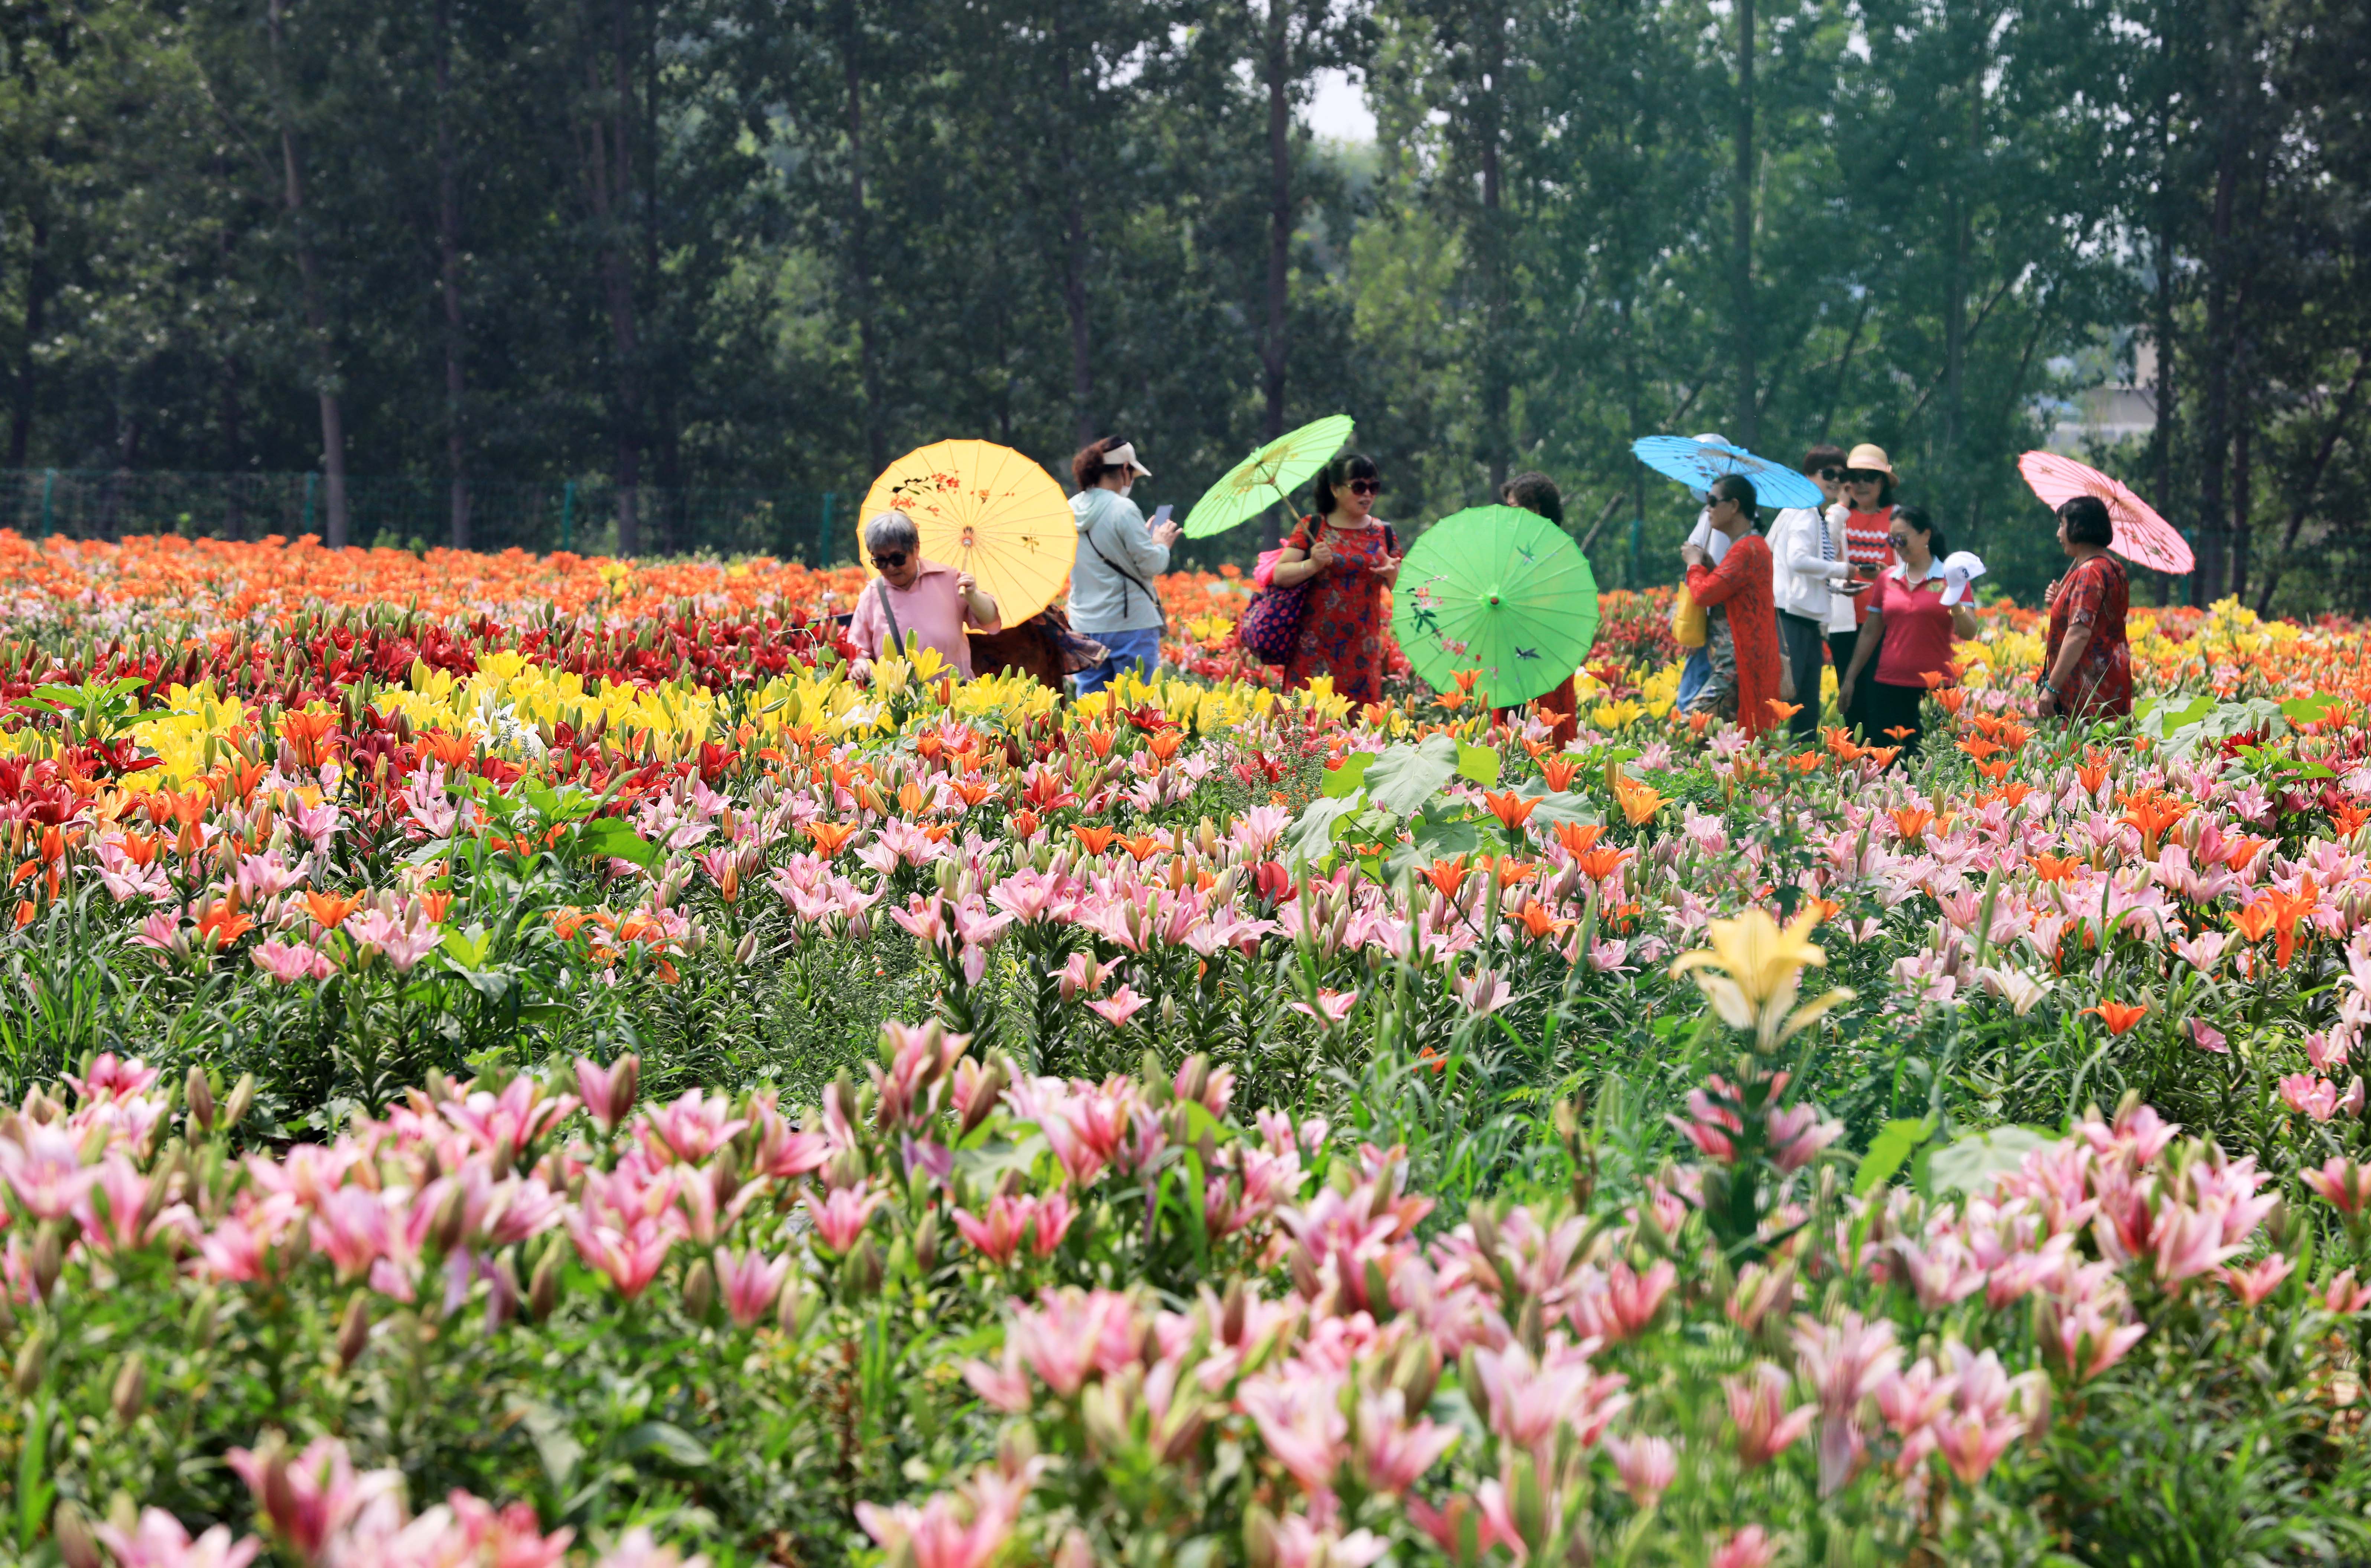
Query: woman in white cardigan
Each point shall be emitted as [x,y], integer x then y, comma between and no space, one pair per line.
[1812,586]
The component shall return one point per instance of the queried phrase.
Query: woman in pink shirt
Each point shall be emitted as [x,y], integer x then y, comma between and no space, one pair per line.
[1907,636]
[914,598]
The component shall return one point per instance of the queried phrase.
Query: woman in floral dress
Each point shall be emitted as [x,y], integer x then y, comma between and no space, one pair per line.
[2087,669]
[1346,626]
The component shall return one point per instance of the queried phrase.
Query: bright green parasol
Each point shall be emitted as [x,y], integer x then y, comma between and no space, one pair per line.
[1267,476]
[1499,591]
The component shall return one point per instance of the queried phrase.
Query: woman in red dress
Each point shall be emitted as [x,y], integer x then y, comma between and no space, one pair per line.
[1738,592]
[1346,628]
[2088,670]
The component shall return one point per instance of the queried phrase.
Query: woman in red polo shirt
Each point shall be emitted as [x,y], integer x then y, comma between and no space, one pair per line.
[1908,634]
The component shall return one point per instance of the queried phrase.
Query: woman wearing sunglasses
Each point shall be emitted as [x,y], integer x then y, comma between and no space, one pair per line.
[1865,518]
[915,599]
[1353,556]
[1912,621]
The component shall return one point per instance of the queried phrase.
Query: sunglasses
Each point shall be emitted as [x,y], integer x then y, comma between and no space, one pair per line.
[1831,475]
[1863,477]
[1365,487]
[1899,541]
[889,561]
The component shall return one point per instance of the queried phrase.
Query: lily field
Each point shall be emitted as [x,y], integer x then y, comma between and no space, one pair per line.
[520,1060]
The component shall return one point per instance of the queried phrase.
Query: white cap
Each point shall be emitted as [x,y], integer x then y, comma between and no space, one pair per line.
[1124,457]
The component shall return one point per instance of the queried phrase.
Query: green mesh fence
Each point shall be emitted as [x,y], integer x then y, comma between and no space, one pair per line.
[808,526]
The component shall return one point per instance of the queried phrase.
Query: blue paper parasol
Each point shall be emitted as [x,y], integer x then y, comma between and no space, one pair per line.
[1696,464]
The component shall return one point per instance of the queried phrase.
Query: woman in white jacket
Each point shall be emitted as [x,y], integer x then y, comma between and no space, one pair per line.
[1812,584]
[1111,599]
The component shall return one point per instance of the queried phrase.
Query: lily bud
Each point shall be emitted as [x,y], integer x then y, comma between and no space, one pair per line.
[543,1289]
[926,1242]
[699,1290]
[446,1231]
[1259,1537]
[242,1096]
[199,1092]
[48,1258]
[32,1356]
[130,1396]
[354,1329]
[75,1543]
[790,1308]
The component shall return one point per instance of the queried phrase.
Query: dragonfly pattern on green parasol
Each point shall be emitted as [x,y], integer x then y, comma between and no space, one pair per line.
[1498,591]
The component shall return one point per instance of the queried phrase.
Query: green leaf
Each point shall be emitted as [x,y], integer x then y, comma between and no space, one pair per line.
[1888,1152]
[1340,781]
[468,947]
[612,836]
[1311,834]
[989,1163]
[1480,764]
[1403,777]
[1967,1164]
[555,1444]
[2309,709]
[1435,840]
[669,1441]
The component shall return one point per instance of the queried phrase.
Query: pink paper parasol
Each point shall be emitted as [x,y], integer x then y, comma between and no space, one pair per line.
[2141,537]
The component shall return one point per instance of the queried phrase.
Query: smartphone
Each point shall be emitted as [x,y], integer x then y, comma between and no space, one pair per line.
[1159,516]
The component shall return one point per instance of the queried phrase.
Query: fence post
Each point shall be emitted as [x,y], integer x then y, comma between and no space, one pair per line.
[568,516]
[823,532]
[49,485]
[311,481]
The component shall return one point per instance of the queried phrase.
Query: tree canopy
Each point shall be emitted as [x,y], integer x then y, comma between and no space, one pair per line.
[753,242]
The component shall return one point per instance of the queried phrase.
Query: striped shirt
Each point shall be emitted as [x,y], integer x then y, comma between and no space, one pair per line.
[1865,545]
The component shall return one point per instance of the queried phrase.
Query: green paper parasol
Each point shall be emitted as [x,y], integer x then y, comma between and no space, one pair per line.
[1501,591]
[1266,477]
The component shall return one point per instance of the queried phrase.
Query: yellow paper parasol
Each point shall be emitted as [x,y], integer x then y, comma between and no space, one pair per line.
[986,510]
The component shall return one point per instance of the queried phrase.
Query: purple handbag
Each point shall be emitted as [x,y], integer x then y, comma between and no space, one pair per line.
[1270,627]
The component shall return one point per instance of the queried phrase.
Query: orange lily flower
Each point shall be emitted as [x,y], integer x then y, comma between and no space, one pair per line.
[2120,1016]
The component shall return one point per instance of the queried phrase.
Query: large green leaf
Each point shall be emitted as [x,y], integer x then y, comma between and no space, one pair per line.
[1480,764]
[1311,834]
[612,836]
[1403,777]
[1888,1152]
[1966,1165]
[1340,781]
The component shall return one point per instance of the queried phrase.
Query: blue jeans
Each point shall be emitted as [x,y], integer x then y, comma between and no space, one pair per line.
[1139,651]
[1693,676]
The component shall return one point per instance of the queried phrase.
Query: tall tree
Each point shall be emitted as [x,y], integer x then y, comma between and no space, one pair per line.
[604,124]
[1742,177]
[448,280]
[326,383]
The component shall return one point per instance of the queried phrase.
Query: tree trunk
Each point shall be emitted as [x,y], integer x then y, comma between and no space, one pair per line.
[860,258]
[448,260]
[317,316]
[1074,240]
[1741,259]
[606,151]
[2242,497]
[2214,436]
[1497,380]
[2161,434]
[36,295]
[1279,234]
